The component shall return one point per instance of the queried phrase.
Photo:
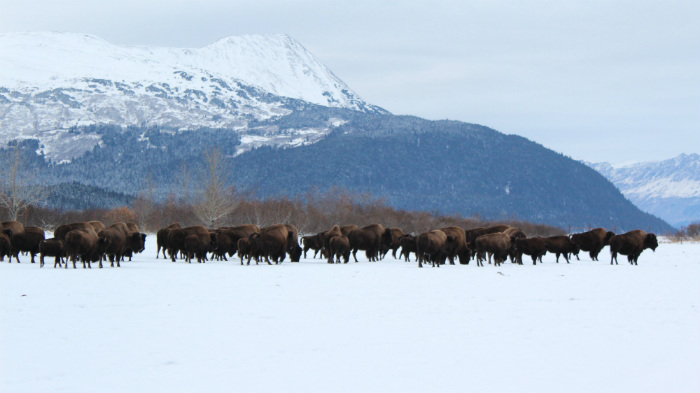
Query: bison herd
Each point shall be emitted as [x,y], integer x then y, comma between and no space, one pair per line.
[93,242]
[86,242]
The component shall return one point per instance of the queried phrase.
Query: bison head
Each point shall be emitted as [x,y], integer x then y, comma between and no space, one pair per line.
[295,253]
[608,236]
[651,242]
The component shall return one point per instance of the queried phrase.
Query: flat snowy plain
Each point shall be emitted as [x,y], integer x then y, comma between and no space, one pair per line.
[157,326]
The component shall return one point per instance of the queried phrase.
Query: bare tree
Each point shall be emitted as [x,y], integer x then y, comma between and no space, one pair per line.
[18,188]
[217,199]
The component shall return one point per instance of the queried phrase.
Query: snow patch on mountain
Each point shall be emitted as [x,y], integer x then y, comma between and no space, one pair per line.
[669,189]
[51,82]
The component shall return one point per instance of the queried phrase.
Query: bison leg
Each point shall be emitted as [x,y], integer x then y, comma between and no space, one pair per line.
[354,254]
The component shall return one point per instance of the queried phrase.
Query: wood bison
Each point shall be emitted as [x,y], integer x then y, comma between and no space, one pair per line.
[162,238]
[97,225]
[176,239]
[52,248]
[5,245]
[227,238]
[274,242]
[592,241]
[313,242]
[632,244]
[561,245]
[335,230]
[473,234]
[14,226]
[26,241]
[198,245]
[458,247]
[245,251]
[532,246]
[368,239]
[111,242]
[516,234]
[135,240]
[339,246]
[293,247]
[81,244]
[497,244]
[60,232]
[345,229]
[431,246]
[390,241]
[408,246]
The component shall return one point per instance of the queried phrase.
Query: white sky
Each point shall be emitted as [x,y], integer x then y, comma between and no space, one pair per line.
[615,81]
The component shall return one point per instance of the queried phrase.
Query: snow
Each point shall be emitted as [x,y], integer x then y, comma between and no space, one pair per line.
[154,325]
[40,61]
[665,188]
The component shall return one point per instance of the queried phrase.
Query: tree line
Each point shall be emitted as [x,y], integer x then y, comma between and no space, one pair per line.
[311,213]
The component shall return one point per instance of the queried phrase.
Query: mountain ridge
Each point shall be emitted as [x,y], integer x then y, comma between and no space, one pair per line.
[50,82]
[669,188]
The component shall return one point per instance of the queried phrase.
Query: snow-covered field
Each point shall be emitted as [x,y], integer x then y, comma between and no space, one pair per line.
[157,326]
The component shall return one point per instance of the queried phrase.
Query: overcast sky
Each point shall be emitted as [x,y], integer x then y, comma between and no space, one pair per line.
[615,81]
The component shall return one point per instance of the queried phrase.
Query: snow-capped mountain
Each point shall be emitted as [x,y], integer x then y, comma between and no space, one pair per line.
[669,189]
[50,82]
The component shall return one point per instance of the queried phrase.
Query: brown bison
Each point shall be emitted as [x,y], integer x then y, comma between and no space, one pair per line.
[111,243]
[97,225]
[339,246]
[335,230]
[497,244]
[14,226]
[26,241]
[227,238]
[293,247]
[244,250]
[198,245]
[408,246]
[473,234]
[457,248]
[390,241]
[532,246]
[561,245]
[162,237]
[274,242]
[60,232]
[431,246]
[51,248]
[135,240]
[368,239]
[632,244]
[516,234]
[593,241]
[81,244]
[176,239]
[345,229]
[5,245]
[313,242]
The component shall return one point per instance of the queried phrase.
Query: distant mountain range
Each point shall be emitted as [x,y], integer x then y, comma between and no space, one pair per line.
[669,189]
[92,116]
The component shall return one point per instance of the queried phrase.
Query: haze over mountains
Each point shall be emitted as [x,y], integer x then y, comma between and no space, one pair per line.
[91,114]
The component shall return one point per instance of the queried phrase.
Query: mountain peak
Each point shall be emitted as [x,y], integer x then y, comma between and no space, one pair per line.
[276,64]
[668,188]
